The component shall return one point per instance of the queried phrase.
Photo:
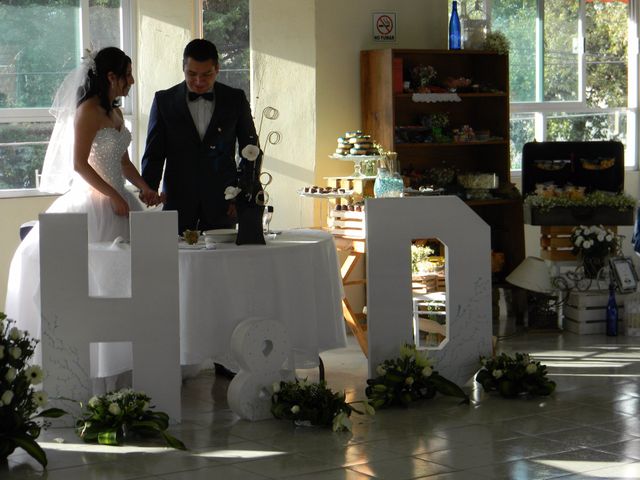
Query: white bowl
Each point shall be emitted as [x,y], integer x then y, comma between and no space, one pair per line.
[221,235]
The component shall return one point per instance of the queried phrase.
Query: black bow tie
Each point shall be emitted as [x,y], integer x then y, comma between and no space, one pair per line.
[194,96]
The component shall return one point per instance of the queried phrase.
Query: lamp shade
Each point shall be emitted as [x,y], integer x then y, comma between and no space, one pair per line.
[532,274]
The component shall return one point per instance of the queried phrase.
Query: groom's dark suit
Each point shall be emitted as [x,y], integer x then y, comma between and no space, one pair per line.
[197,171]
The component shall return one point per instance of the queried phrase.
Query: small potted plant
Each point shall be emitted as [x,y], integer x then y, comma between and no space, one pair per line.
[408,378]
[110,418]
[514,376]
[308,403]
[20,403]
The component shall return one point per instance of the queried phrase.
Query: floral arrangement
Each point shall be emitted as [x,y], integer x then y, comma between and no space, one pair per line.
[513,376]
[309,403]
[423,75]
[497,42]
[20,403]
[408,378]
[593,241]
[595,199]
[248,177]
[109,418]
[420,258]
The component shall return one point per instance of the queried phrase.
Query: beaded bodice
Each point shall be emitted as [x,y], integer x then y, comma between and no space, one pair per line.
[107,149]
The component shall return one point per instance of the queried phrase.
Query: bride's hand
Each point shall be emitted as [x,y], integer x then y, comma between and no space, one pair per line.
[149,197]
[119,205]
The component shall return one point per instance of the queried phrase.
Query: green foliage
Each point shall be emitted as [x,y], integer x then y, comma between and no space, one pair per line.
[406,379]
[20,403]
[514,376]
[226,24]
[419,256]
[497,42]
[620,201]
[312,404]
[606,43]
[108,418]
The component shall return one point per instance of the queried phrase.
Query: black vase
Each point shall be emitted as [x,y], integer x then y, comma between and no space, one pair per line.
[593,265]
[250,224]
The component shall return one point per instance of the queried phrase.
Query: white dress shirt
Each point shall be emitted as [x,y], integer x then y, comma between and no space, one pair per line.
[201,112]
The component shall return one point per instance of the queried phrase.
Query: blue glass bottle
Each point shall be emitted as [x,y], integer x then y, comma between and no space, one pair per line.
[455,36]
[612,312]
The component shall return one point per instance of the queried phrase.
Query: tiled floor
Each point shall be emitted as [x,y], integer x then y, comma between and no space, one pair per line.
[589,428]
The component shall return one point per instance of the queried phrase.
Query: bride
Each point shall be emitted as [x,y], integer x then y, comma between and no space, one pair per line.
[86,158]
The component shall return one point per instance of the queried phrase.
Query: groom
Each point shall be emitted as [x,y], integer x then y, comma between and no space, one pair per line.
[192,134]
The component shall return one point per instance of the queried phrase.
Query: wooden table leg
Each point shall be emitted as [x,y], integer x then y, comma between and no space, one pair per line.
[355,321]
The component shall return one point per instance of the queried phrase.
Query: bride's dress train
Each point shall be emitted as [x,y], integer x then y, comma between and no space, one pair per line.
[23,289]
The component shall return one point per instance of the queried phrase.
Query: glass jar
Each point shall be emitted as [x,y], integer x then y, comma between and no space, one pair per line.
[388,183]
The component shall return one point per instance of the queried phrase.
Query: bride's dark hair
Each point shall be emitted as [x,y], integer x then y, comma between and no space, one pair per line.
[109,59]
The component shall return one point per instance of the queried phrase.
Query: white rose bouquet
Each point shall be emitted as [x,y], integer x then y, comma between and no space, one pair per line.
[20,403]
[109,418]
[512,376]
[594,241]
[410,377]
[308,403]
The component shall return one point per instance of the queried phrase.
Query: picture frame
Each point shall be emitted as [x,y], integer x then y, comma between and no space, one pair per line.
[624,273]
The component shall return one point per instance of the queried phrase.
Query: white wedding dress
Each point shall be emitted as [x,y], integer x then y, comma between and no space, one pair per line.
[23,289]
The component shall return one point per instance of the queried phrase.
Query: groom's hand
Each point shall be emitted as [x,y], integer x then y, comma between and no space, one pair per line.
[149,197]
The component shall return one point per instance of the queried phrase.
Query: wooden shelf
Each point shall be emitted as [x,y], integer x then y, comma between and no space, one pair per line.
[449,145]
[383,111]
[402,96]
[493,201]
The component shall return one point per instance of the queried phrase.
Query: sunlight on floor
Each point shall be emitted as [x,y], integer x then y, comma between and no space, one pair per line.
[594,469]
[94,448]
[245,454]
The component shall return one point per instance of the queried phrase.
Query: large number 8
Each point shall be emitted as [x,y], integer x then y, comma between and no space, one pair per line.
[260,347]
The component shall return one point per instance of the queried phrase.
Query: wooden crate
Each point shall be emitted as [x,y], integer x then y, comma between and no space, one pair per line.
[555,242]
[346,223]
[429,283]
[585,312]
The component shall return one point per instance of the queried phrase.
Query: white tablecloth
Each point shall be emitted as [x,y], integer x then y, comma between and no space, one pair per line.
[294,279]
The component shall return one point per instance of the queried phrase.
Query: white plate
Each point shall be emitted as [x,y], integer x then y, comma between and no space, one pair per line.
[186,246]
[222,235]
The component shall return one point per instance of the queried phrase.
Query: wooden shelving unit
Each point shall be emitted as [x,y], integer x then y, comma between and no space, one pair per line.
[383,111]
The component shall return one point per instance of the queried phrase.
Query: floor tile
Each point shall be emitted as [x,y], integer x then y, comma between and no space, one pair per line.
[588,428]
[285,465]
[586,437]
[401,468]
[520,469]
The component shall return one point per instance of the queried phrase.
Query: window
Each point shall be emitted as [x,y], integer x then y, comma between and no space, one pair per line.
[40,42]
[570,71]
[226,24]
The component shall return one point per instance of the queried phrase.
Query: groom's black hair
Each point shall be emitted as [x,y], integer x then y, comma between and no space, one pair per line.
[200,50]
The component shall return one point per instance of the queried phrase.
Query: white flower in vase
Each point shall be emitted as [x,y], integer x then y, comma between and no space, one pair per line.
[250,152]
[231,192]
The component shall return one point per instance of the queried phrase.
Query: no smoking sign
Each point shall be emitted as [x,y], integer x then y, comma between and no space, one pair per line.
[384,27]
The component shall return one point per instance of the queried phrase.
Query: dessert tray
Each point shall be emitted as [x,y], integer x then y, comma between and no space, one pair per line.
[346,193]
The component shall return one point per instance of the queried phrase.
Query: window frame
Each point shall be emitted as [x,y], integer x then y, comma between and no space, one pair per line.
[36,115]
[540,109]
